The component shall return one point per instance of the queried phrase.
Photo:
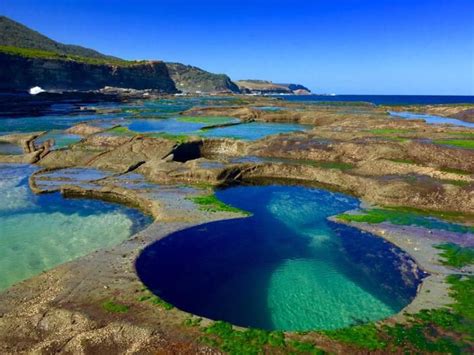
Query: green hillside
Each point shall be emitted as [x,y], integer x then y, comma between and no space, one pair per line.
[14,34]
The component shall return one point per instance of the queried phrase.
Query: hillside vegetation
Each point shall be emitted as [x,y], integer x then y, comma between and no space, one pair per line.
[43,54]
[14,34]
[192,79]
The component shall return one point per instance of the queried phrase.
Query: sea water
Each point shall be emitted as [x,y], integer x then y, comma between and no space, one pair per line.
[38,232]
[286,267]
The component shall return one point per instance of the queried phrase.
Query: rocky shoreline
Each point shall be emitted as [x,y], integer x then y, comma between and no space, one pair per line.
[384,161]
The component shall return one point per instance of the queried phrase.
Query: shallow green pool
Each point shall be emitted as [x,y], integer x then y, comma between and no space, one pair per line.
[38,232]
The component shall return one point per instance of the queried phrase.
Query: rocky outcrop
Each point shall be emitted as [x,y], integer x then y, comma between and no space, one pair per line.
[21,73]
[267,87]
[189,79]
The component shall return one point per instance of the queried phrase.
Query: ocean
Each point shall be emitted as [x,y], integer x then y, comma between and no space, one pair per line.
[384,99]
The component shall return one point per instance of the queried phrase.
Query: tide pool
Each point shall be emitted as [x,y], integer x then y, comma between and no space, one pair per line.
[253,130]
[61,139]
[432,119]
[286,267]
[177,126]
[39,232]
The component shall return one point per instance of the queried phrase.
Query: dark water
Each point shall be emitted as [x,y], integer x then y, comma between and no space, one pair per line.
[286,267]
[384,99]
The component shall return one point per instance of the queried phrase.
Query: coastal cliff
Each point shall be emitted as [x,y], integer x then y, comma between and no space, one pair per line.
[28,59]
[191,79]
[19,72]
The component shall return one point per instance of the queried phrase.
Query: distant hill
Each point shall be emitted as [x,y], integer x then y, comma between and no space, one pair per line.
[14,34]
[268,87]
[28,58]
[192,79]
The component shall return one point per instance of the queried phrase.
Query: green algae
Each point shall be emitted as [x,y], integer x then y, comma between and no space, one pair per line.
[463,134]
[426,331]
[455,171]
[414,337]
[390,131]
[210,203]
[178,138]
[455,255]
[333,165]
[364,336]
[155,300]
[460,143]
[341,103]
[125,131]
[304,347]
[408,216]
[319,163]
[396,135]
[396,139]
[223,336]
[460,183]
[462,290]
[404,161]
[448,215]
[114,307]
[192,322]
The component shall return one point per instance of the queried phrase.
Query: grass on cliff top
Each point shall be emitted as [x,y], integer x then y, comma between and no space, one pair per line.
[455,255]
[41,54]
[210,203]
[460,143]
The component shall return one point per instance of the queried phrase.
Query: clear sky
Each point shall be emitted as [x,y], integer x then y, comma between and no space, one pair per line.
[332,46]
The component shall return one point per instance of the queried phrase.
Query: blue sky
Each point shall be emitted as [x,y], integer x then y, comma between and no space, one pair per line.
[345,46]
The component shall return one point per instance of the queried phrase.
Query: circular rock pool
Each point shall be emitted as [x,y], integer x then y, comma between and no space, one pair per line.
[286,267]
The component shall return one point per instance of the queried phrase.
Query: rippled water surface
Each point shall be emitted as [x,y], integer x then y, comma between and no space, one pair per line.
[285,267]
[38,232]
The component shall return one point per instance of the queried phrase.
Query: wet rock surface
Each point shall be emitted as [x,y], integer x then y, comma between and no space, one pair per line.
[359,150]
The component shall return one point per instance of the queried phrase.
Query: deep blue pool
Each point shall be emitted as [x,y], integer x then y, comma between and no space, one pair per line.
[285,267]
